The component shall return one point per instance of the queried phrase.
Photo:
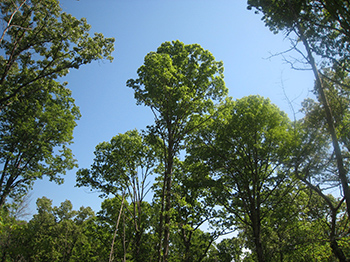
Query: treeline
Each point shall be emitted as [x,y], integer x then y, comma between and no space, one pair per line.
[63,234]
[208,166]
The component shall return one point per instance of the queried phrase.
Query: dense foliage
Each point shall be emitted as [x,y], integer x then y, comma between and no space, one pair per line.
[208,166]
[39,44]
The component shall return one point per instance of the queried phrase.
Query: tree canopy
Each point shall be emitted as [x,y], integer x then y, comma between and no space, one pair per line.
[39,44]
[213,178]
[322,27]
[180,83]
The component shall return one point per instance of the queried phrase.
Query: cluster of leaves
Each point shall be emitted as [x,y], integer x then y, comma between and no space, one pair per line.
[39,44]
[53,234]
[63,234]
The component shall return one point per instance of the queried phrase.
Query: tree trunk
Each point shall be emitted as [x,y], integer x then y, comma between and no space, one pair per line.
[258,246]
[138,257]
[167,218]
[164,223]
[187,244]
[337,251]
[330,120]
[116,229]
[161,222]
[256,226]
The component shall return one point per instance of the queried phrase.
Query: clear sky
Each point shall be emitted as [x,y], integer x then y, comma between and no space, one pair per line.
[224,27]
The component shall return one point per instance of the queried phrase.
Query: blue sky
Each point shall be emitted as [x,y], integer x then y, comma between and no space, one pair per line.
[226,28]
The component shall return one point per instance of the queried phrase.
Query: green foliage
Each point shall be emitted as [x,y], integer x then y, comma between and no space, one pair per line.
[180,83]
[244,151]
[196,250]
[10,231]
[338,99]
[190,214]
[230,249]
[279,15]
[295,231]
[244,165]
[121,165]
[178,80]
[53,234]
[34,136]
[323,28]
[314,162]
[135,240]
[39,44]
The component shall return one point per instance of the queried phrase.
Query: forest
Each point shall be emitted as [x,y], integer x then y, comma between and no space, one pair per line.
[212,179]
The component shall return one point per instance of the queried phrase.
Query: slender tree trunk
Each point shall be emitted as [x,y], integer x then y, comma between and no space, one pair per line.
[138,257]
[116,230]
[139,233]
[337,251]
[2,200]
[9,25]
[330,120]
[167,217]
[161,221]
[187,244]
[124,239]
[137,223]
[164,217]
[206,250]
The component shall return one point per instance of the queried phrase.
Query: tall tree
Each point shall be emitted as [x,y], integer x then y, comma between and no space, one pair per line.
[39,44]
[180,84]
[245,151]
[323,28]
[314,162]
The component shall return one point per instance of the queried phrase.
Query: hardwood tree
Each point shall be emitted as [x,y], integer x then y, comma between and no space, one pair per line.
[128,245]
[35,134]
[39,44]
[180,83]
[314,164]
[244,152]
[122,168]
[322,27]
